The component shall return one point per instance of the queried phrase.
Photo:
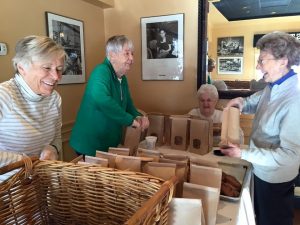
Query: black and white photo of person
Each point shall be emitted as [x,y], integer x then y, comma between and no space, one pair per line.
[231,46]
[164,45]
[162,38]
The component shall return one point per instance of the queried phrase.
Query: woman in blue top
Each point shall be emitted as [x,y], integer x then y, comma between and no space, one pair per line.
[274,148]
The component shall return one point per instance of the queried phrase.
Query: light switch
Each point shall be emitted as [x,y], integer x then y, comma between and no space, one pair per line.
[3,49]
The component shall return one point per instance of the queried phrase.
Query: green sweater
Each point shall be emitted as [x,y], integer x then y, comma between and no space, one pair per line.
[105,108]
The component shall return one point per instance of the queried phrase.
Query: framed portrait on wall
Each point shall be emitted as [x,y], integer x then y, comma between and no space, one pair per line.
[68,33]
[230,65]
[162,47]
[230,46]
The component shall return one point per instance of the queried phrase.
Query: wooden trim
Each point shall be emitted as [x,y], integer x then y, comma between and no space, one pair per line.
[202,42]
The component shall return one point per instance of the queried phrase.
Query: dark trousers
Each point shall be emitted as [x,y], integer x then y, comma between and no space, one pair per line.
[273,203]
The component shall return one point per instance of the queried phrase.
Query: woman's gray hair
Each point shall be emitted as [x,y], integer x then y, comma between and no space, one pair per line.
[280,45]
[36,48]
[210,89]
[115,44]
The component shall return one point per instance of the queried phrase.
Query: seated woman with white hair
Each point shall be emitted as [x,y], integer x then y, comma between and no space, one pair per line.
[208,98]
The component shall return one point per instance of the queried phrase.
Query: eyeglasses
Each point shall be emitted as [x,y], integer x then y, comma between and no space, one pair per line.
[262,61]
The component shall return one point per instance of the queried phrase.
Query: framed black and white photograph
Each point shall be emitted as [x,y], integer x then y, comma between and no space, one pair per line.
[230,46]
[68,32]
[230,65]
[162,47]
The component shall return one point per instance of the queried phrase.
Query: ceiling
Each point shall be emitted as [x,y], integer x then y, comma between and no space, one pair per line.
[234,10]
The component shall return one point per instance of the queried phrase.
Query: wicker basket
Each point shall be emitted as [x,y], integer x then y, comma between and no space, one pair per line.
[49,192]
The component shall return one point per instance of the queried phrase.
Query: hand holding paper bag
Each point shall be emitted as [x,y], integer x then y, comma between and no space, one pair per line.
[236,102]
[231,150]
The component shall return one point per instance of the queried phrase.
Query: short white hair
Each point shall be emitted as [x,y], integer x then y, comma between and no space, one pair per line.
[35,48]
[210,89]
[116,43]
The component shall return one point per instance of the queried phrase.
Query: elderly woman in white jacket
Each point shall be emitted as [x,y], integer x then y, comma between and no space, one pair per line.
[274,148]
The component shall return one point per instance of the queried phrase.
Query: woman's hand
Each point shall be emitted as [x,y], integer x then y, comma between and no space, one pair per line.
[232,150]
[135,124]
[236,102]
[49,153]
[143,121]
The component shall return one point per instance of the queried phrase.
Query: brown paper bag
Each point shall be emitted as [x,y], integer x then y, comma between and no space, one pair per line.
[130,163]
[201,136]
[95,160]
[119,151]
[230,126]
[162,170]
[176,157]
[155,155]
[181,173]
[90,160]
[156,127]
[203,162]
[179,132]
[207,176]
[209,197]
[132,139]
[109,156]
[185,211]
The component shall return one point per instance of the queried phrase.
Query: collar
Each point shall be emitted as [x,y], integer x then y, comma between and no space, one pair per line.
[108,63]
[25,90]
[284,78]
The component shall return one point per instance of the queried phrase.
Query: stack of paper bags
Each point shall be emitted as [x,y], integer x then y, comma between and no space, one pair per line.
[205,184]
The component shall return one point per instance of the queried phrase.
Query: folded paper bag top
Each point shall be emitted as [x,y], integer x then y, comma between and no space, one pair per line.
[230,127]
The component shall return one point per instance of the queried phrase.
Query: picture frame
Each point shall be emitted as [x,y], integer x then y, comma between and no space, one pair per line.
[68,32]
[162,47]
[230,46]
[230,65]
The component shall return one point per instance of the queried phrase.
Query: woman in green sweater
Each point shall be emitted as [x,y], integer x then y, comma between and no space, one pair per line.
[107,106]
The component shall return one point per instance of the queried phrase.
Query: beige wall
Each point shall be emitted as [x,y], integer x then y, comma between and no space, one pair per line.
[220,27]
[174,97]
[28,17]
[19,18]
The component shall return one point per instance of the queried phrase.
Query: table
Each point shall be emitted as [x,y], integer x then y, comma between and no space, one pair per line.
[230,213]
